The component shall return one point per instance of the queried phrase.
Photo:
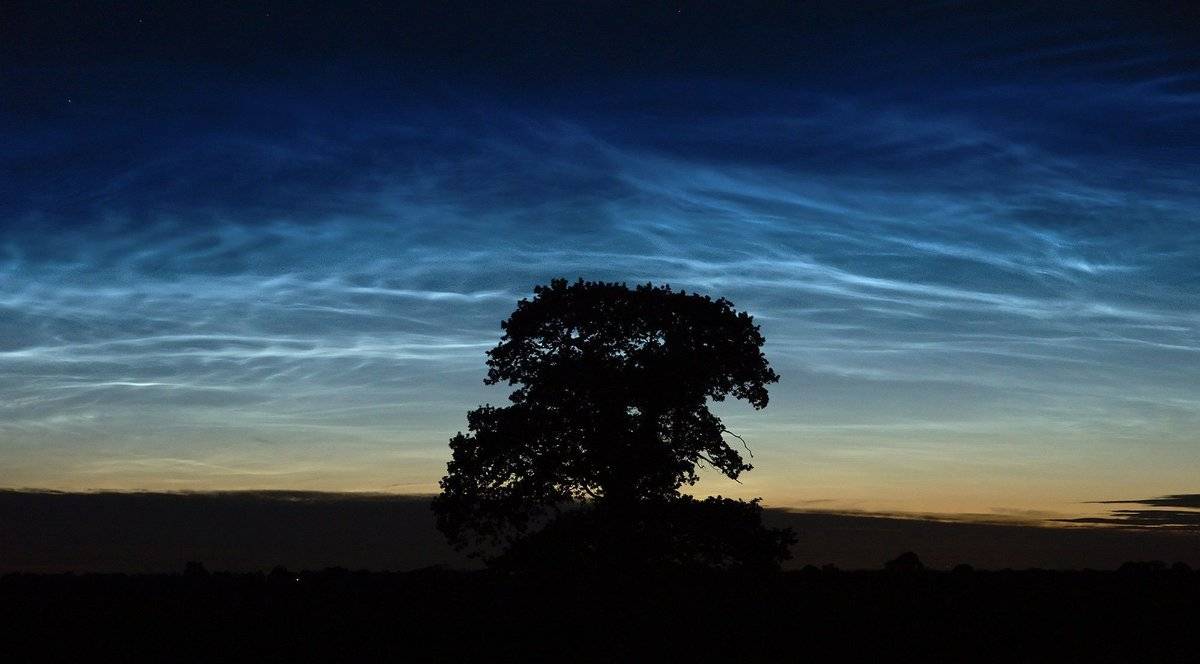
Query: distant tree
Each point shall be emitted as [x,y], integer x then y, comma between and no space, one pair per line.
[608,421]
[905,563]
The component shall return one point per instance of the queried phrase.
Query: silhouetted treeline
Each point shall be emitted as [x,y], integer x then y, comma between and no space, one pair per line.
[1142,612]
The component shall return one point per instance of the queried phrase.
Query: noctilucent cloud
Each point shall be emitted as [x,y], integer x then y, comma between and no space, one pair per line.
[269,249]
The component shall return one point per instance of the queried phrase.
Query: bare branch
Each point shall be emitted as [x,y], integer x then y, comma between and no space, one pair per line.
[748,450]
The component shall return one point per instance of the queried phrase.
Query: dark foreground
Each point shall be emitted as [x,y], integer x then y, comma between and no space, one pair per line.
[140,532]
[1134,615]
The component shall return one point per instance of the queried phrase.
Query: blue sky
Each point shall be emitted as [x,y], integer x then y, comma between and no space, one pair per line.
[270,251]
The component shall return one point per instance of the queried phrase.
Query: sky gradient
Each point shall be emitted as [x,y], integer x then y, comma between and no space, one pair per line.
[268,248]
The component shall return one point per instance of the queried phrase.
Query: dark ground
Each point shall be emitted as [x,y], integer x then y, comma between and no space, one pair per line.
[154,612]
[250,531]
[433,615]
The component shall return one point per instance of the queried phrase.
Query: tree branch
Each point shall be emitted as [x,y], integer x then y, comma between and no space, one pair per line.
[714,465]
[748,450]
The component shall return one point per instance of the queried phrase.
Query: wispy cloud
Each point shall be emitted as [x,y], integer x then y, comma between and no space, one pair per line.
[1179,512]
[948,263]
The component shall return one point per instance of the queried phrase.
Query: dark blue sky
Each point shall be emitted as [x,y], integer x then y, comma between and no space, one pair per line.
[267,247]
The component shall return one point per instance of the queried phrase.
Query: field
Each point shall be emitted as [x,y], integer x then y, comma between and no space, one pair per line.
[1132,615]
[88,576]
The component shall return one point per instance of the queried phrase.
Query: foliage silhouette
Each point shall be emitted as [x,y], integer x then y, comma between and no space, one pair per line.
[608,421]
[659,535]
[905,563]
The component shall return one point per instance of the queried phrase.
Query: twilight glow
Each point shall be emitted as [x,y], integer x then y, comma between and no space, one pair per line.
[972,242]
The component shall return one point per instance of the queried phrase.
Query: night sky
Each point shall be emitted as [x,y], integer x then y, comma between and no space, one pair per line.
[267,247]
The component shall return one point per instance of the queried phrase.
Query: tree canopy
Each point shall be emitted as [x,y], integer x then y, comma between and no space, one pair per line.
[610,410]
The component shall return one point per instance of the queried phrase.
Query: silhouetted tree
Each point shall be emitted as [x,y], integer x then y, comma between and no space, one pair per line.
[906,563]
[608,421]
